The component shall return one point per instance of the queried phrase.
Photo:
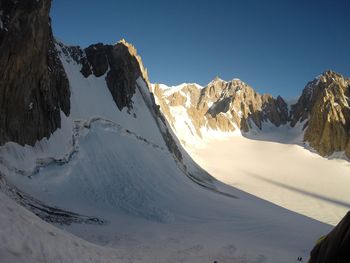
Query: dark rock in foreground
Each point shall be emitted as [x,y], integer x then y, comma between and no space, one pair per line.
[335,247]
[33,85]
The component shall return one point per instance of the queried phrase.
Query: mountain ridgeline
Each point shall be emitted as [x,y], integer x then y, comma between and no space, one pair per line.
[322,109]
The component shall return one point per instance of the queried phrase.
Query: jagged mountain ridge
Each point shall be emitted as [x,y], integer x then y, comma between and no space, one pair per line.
[227,106]
[224,105]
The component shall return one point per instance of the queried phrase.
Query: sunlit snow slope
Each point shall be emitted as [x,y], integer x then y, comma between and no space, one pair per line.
[272,163]
[115,166]
[285,174]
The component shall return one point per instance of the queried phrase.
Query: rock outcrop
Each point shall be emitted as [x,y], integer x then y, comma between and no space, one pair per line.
[324,106]
[119,63]
[33,86]
[335,246]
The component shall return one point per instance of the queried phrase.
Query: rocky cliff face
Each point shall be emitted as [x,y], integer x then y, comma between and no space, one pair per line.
[223,105]
[33,86]
[120,63]
[324,106]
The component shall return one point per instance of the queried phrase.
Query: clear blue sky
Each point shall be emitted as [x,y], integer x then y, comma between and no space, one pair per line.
[275,46]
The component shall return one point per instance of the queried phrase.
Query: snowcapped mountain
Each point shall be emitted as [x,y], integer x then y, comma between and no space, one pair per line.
[85,147]
[220,106]
[228,106]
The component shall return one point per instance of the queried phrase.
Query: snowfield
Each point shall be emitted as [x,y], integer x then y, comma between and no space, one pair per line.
[275,165]
[115,166]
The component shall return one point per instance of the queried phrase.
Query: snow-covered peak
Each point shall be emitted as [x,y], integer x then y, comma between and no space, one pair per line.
[169,90]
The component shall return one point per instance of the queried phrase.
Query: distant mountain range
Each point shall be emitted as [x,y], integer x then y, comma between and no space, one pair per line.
[322,110]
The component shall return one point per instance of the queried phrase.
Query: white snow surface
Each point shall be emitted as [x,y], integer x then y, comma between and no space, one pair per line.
[26,238]
[169,90]
[274,164]
[112,165]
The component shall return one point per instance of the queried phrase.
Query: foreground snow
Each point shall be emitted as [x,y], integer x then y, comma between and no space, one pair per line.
[26,238]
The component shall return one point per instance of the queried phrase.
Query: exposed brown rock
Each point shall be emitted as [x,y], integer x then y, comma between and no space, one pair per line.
[325,103]
[223,105]
[33,85]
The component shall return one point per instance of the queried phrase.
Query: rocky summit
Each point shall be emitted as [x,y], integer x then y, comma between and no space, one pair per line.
[324,106]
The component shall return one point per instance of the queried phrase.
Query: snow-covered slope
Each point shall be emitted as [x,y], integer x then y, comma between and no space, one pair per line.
[115,165]
[26,238]
[271,165]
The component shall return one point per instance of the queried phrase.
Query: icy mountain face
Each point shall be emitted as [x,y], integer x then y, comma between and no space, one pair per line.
[222,106]
[33,86]
[324,103]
